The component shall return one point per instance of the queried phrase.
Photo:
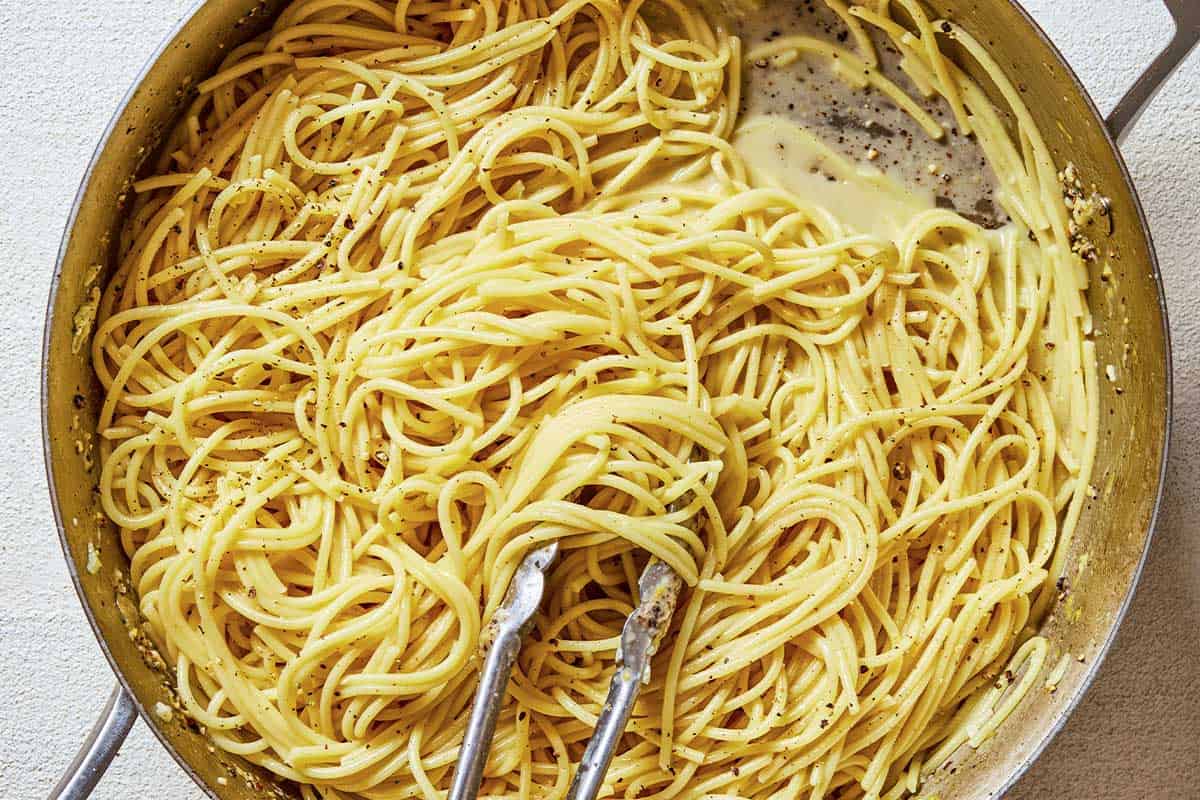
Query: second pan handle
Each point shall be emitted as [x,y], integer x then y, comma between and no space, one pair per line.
[1186,14]
[99,748]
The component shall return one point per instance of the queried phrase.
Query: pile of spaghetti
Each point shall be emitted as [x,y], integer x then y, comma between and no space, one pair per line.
[417,286]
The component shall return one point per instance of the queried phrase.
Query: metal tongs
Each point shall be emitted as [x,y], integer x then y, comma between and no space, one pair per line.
[658,586]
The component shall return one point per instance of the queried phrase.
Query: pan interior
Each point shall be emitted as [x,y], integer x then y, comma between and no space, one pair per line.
[1124,298]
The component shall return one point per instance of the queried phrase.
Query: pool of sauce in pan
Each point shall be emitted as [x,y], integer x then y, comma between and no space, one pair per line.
[804,127]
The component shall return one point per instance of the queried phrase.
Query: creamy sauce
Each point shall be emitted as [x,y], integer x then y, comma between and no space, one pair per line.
[781,153]
[862,124]
[863,198]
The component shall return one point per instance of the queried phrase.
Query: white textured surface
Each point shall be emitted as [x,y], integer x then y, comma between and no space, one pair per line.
[64,66]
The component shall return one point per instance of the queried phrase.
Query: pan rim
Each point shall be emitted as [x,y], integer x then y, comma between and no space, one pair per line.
[1047,736]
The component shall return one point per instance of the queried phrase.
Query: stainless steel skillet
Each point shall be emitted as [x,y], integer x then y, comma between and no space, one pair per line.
[1114,532]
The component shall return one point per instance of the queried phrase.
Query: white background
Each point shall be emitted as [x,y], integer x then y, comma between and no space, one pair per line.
[64,65]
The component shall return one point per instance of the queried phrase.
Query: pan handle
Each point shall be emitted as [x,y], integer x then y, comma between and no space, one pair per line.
[1186,14]
[99,748]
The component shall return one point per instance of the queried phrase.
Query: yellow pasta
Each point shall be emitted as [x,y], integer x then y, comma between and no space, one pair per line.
[417,286]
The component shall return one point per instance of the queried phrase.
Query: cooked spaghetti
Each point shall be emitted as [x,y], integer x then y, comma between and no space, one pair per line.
[416,286]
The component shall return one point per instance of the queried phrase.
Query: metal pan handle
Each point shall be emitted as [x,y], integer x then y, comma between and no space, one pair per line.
[1187,33]
[99,748]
